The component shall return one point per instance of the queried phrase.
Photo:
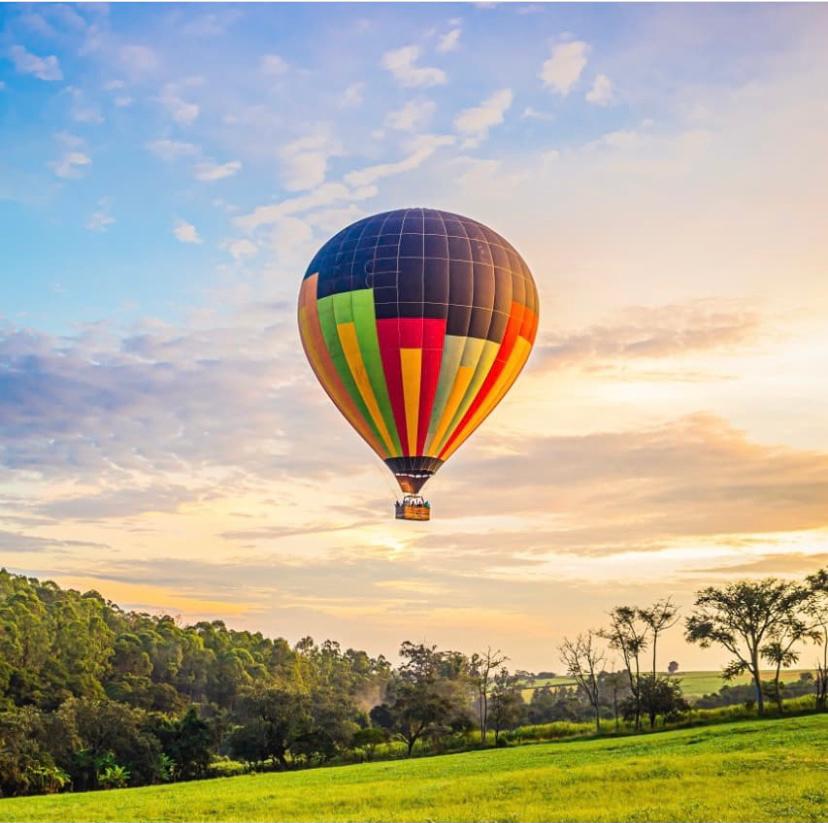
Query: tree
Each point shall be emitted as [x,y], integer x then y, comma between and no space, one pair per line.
[672,667]
[658,618]
[426,695]
[188,742]
[628,635]
[816,610]
[481,667]
[662,615]
[584,662]
[659,696]
[780,651]
[368,739]
[276,717]
[615,683]
[507,707]
[742,617]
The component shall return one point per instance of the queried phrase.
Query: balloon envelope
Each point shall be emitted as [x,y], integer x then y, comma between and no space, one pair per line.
[416,323]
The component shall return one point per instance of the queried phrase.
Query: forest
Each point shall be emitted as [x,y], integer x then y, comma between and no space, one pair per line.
[95,697]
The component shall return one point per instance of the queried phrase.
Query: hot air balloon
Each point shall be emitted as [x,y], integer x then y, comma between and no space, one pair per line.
[416,323]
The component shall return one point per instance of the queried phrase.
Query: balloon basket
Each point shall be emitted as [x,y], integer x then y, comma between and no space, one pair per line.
[412,507]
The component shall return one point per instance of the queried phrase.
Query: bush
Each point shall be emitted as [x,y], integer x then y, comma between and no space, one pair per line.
[113,777]
[221,766]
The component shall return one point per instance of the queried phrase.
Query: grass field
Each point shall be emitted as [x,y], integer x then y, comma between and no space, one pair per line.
[772,770]
[693,684]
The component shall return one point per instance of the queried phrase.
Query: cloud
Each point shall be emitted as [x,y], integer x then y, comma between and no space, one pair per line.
[656,332]
[324,195]
[304,162]
[101,409]
[352,96]
[44,68]
[101,219]
[601,93]
[401,63]
[81,110]
[209,171]
[530,113]
[562,70]
[186,232]
[414,115]
[474,123]
[71,164]
[138,59]
[620,139]
[614,491]
[182,111]
[448,41]
[172,149]
[273,65]
[421,148]
[240,248]
[17,542]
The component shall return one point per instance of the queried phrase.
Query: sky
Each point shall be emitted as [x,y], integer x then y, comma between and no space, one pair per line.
[168,171]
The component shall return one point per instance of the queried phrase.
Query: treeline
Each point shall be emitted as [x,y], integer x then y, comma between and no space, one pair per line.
[95,697]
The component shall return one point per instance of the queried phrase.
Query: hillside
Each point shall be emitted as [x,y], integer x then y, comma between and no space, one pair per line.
[772,770]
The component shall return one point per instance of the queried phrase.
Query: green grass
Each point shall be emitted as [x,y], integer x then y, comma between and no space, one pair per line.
[771,770]
[693,684]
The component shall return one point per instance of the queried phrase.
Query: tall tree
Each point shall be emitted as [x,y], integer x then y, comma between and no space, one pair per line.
[428,693]
[627,633]
[742,617]
[482,667]
[584,661]
[659,617]
[816,611]
[507,707]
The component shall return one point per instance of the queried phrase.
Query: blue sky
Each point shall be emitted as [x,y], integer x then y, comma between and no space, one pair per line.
[166,173]
[234,85]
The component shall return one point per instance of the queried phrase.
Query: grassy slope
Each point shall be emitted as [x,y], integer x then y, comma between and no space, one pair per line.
[772,770]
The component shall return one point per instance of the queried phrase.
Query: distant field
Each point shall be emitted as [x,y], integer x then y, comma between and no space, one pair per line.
[693,684]
[772,770]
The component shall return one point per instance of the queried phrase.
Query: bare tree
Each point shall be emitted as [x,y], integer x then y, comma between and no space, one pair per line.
[482,667]
[628,635]
[584,662]
[662,615]
[743,617]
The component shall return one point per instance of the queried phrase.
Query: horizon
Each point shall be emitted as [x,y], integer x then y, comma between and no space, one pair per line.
[163,438]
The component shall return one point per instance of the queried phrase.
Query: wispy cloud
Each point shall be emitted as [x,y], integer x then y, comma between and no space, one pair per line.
[172,149]
[182,111]
[414,115]
[474,123]
[450,40]
[304,162]
[421,148]
[273,65]
[657,332]
[562,70]
[101,219]
[210,171]
[44,68]
[186,232]
[402,63]
[601,93]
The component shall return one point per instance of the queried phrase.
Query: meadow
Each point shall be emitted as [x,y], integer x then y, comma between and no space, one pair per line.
[761,770]
[693,684]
